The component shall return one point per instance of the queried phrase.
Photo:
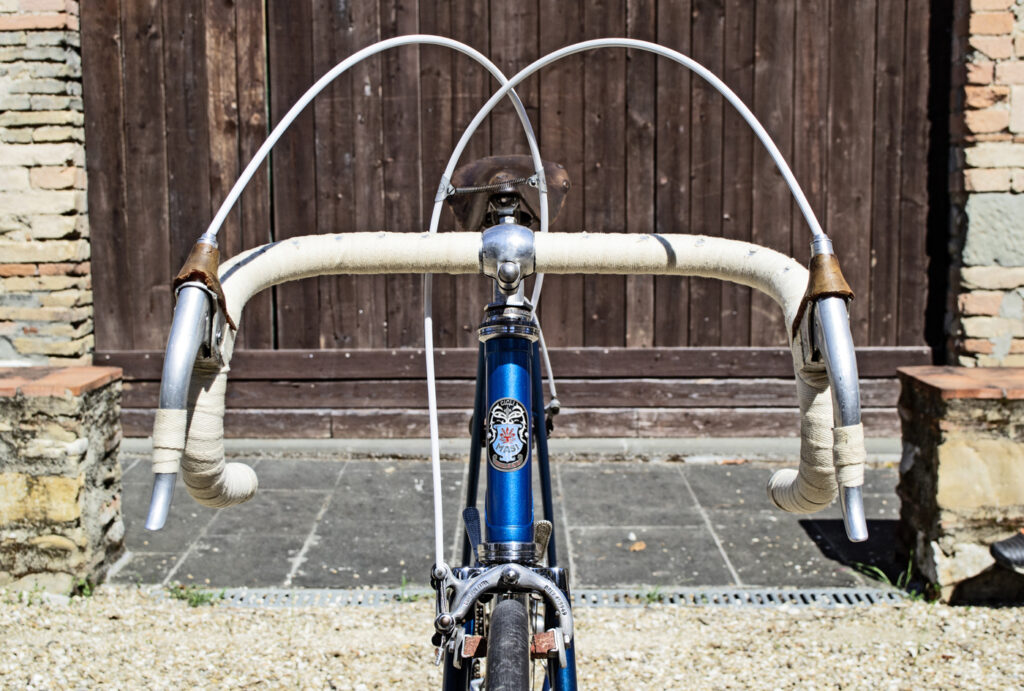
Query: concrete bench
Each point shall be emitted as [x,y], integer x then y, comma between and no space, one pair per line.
[962,477]
[60,479]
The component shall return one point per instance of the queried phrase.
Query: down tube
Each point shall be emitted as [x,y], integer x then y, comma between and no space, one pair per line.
[509,503]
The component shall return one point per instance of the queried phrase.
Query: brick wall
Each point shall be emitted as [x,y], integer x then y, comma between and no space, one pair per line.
[45,283]
[988,182]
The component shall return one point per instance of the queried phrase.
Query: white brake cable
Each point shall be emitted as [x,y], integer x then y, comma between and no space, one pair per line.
[428,288]
[676,56]
[282,126]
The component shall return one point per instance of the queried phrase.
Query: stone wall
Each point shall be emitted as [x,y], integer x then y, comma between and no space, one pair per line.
[45,283]
[60,479]
[962,477]
[988,182]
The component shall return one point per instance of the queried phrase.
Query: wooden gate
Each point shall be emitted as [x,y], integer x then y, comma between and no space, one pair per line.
[178,96]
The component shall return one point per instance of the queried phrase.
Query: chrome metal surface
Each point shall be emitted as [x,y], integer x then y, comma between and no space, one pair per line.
[821,245]
[851,502]
[529,331]
[507,552]
[503,318]
[160,501]
[834,341]
[495,578]
[508,246]
[189,330]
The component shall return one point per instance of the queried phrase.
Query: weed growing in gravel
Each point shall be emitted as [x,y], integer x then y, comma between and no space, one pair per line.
[653,596]
[20,597]
[194,595]
[83,587]
[404,596]
[903,582]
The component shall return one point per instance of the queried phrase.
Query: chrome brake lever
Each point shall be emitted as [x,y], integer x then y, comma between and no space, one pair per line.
[835,343]
[190,330]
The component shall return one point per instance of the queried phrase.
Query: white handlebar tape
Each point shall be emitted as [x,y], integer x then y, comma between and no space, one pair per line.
[215,483]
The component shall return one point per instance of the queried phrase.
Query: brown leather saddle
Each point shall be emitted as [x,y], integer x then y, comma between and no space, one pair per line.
[484,185]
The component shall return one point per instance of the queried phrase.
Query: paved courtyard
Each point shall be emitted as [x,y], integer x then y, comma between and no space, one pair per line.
[354,523]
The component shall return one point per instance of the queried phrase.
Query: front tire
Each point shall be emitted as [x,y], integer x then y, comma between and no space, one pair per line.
[508,646]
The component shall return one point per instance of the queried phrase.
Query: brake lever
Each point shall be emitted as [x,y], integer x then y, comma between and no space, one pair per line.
[190,329]
[835,343]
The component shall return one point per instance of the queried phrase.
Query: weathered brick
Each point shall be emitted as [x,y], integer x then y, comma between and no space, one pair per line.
[43,283]
[66,298]
[978,345]
[1018,44]
[41,201]
[992,277]
[16,136]
[49,227]
[995,155]
[987,179]
[12,38]
[994,47]
[1017,109]
[14,178]
[61,269]
[990,5]
[18,270]
[39,86]
[987,120]
[981,302]
[58,134]
[61,348]
[51,38]
[975,96]
[15,102]
[54,20]
[47,498]
[62,330]
[66,154]
[987,327]
[1004,361]
[990,23]
[1010,72]
[52,251]
[36,118]
[43,5]
[980,72]
[53,177]
[51,102]
[1017,181]
[40,54]
[8,5]
[45,314]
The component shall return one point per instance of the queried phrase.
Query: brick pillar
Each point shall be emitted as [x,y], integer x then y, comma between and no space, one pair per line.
[988,182]
[45,283]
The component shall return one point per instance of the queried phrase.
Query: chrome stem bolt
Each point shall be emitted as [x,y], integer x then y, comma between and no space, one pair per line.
[510,575]
[508,273]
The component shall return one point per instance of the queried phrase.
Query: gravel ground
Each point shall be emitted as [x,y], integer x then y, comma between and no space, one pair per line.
[126,638]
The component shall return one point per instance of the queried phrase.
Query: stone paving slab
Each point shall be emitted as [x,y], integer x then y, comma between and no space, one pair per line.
[355,523]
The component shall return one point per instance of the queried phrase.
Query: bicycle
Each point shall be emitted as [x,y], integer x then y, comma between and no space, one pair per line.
[503,604]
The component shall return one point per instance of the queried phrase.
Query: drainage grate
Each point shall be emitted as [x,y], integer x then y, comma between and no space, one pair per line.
[584,597]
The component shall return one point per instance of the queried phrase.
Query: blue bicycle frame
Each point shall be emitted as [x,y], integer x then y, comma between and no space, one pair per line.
[508,419]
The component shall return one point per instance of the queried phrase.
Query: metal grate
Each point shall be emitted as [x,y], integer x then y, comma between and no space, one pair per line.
[583,598]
